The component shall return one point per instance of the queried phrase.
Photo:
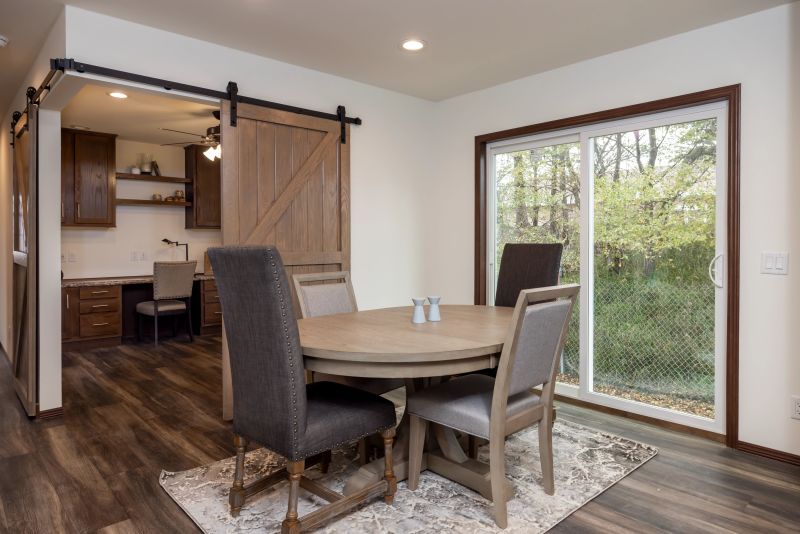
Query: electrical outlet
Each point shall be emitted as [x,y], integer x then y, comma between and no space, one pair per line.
[72,257]
[795,406]
[133,255]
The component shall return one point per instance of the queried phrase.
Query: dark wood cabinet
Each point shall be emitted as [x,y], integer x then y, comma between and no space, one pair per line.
[88,178]
[91,316]
[203,190]
[210,309]
[70,313]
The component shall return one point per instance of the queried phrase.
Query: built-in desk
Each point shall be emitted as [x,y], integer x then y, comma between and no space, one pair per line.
[102,311]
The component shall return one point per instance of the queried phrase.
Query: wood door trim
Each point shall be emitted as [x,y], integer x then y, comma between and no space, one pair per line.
[730,94]
[292,189]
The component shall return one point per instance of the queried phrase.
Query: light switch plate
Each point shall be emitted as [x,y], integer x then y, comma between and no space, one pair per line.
[795,406]
[775,263]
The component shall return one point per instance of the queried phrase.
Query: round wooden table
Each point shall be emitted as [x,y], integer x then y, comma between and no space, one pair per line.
[384,343]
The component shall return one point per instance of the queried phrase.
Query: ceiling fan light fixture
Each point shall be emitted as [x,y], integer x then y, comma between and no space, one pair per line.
[213,152]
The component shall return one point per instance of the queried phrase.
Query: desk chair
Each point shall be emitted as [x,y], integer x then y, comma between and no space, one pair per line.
[172,295]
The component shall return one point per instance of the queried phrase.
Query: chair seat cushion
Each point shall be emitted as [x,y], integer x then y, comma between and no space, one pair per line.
[465,403]
[164,306]
[339,414]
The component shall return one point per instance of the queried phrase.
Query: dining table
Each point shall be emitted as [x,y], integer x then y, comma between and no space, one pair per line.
[384,343]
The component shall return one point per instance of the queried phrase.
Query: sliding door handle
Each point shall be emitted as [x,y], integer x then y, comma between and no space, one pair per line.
[712,270]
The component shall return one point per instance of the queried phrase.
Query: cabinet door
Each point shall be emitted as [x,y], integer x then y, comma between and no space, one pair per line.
[70,313]
[67,177]
[204,191]
[95,179]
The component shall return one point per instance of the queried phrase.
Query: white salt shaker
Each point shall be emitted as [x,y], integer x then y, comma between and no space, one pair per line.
[418,316]
[433,310]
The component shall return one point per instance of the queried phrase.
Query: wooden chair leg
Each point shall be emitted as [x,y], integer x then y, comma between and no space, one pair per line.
[291,525]
[472,447]
[497,474]
[546,452]
[362,452]
[416,444]
[388,473]
[236,496]
[326,462]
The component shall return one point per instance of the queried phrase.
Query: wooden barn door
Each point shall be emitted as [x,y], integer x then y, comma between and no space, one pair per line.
[285,182]
[24,352]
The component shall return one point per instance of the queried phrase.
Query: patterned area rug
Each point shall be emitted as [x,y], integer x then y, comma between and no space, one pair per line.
[587,462]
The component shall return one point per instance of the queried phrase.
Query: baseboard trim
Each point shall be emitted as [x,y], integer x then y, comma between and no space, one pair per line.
[677,427]
[766,452]
[49,414]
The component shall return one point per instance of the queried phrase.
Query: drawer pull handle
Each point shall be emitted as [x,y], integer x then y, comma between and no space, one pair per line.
[99,292]
[217,313]
[100,324]
[100,306]
[216,297]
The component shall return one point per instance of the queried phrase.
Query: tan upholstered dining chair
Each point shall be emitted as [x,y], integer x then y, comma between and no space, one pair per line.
[493,408]
[172,295]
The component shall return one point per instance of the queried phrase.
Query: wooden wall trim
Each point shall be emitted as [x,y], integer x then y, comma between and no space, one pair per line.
[766,452]
[730,94]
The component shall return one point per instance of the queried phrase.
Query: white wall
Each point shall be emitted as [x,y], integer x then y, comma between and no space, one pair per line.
[88,252]
[760,52]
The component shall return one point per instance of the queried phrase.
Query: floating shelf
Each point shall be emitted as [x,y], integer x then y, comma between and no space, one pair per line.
[148,202]
[152,178]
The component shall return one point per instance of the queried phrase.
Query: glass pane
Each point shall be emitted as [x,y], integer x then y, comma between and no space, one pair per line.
[654,236]
[538,201]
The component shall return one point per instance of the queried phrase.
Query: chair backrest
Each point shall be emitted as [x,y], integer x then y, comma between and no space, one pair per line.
[535,341]
[526,266]
[269,395]
[319,297]
[173,279]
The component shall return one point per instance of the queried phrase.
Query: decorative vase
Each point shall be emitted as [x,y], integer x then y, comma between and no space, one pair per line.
[433,311]
[418,316]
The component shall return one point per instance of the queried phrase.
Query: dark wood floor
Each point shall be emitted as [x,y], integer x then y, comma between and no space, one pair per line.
[132,411]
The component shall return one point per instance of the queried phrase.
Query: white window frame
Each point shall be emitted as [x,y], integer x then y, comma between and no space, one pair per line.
[584,135]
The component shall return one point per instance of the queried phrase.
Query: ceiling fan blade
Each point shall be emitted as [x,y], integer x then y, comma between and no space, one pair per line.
[179,131]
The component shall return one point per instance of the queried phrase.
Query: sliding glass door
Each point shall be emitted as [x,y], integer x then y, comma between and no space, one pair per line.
[640,210]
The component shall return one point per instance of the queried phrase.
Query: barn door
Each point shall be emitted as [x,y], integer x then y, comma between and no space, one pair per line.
[285,182]
[24,281]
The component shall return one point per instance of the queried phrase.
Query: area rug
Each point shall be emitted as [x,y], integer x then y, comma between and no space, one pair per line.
[587,462]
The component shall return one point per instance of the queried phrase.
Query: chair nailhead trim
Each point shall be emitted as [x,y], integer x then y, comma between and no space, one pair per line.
[288,345]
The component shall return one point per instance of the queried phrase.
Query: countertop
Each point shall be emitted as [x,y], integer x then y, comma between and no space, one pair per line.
[119,280]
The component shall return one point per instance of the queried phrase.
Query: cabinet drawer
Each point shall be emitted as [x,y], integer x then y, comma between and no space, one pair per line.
[212,313]
[100,324]
[210,285]
[99,305]
[211,297]
[99,292]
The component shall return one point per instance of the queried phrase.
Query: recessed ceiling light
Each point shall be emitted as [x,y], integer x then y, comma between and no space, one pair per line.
[3,41]
[117,94]
[413,45]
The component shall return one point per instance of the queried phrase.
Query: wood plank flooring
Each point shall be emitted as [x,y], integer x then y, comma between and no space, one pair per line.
[134,410]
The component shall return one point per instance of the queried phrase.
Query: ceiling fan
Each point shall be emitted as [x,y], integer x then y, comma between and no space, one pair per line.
[211,139]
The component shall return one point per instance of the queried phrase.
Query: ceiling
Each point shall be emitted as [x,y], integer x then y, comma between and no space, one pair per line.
[139,117]
[26,23]
[471,44]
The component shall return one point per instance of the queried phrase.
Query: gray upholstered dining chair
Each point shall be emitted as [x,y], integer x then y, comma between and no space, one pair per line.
[526,266]
[327,294]
[272,405]
[493,408]
[172,295]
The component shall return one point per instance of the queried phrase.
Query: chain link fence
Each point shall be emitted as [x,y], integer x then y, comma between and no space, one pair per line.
[653,343]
